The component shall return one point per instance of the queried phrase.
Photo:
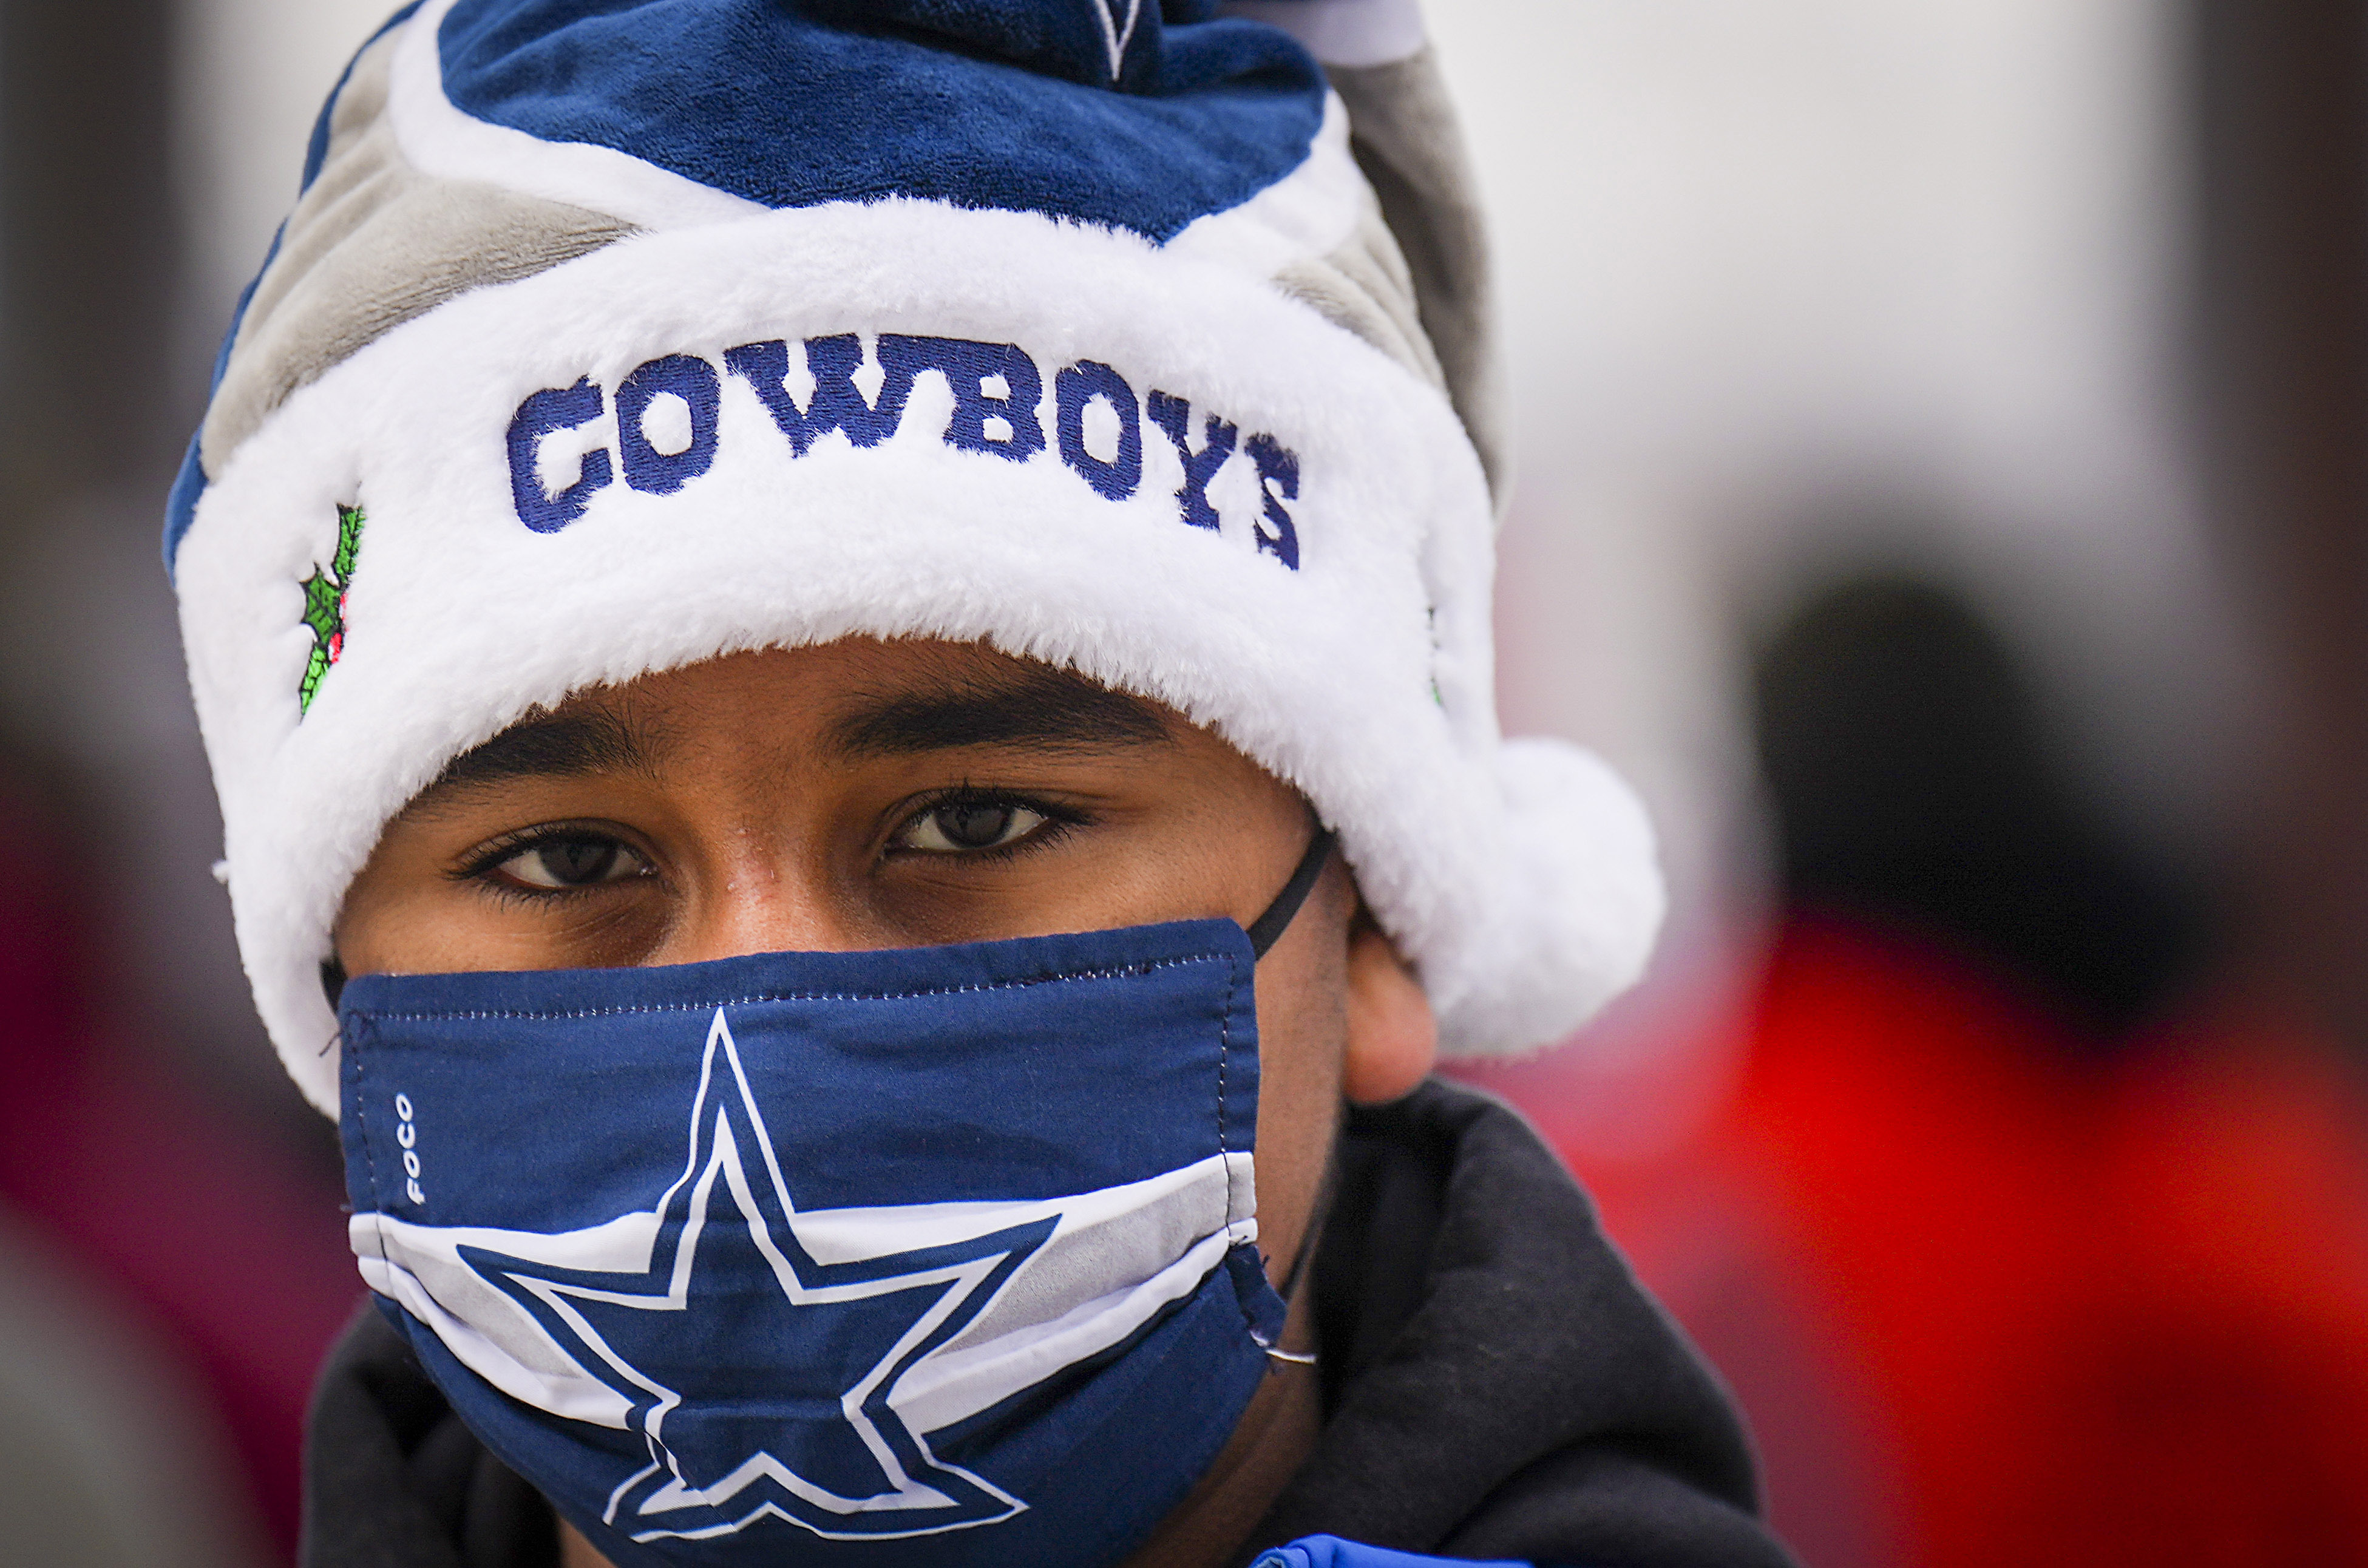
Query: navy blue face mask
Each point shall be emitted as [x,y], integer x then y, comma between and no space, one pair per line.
[917,1256]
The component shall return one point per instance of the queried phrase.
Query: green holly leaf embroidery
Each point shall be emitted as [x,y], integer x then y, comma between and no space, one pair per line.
[325,606]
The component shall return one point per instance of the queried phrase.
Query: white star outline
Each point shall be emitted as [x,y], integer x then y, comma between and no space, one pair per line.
[1117,35]
[724,1160]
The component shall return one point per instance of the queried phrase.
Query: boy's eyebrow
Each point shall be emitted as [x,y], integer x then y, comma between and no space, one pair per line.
[549,745]
[1040,708]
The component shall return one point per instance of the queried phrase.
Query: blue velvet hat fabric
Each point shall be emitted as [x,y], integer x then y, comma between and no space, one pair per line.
[1104,110]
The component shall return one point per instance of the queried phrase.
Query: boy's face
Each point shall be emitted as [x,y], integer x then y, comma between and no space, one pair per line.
[868,794]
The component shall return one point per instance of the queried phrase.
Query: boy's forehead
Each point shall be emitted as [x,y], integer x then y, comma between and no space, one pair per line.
[858,700]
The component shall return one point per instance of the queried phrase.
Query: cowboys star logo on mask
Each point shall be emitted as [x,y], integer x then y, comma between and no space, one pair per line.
[936,1256]
[729,1269]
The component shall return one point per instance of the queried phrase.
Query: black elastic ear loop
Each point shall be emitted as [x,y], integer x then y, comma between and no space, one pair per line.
[1264,932]
[1267,929]
[1298,1272]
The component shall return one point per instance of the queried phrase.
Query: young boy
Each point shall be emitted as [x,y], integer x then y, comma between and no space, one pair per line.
[846,651]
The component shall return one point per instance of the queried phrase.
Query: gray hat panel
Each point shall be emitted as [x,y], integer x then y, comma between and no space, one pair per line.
[371,243]
[1404,132]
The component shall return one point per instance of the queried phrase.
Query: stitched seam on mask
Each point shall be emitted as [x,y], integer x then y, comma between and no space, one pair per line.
[1224,1056]
[1135,971]
[362,1125]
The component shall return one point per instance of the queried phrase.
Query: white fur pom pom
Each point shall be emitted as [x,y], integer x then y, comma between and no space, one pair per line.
[1581,902]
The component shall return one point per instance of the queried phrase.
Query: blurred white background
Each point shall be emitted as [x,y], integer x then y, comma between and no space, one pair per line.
[1795,290]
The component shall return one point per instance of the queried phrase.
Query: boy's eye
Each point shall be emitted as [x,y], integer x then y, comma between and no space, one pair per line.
[573,862]
[962,826]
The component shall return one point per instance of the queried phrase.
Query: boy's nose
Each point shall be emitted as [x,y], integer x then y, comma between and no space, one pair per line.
[767,903]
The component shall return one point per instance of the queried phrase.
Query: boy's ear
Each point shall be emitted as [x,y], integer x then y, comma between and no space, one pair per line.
[1393,1038]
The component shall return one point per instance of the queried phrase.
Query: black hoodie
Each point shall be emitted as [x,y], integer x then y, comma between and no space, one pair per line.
[1496,1385]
